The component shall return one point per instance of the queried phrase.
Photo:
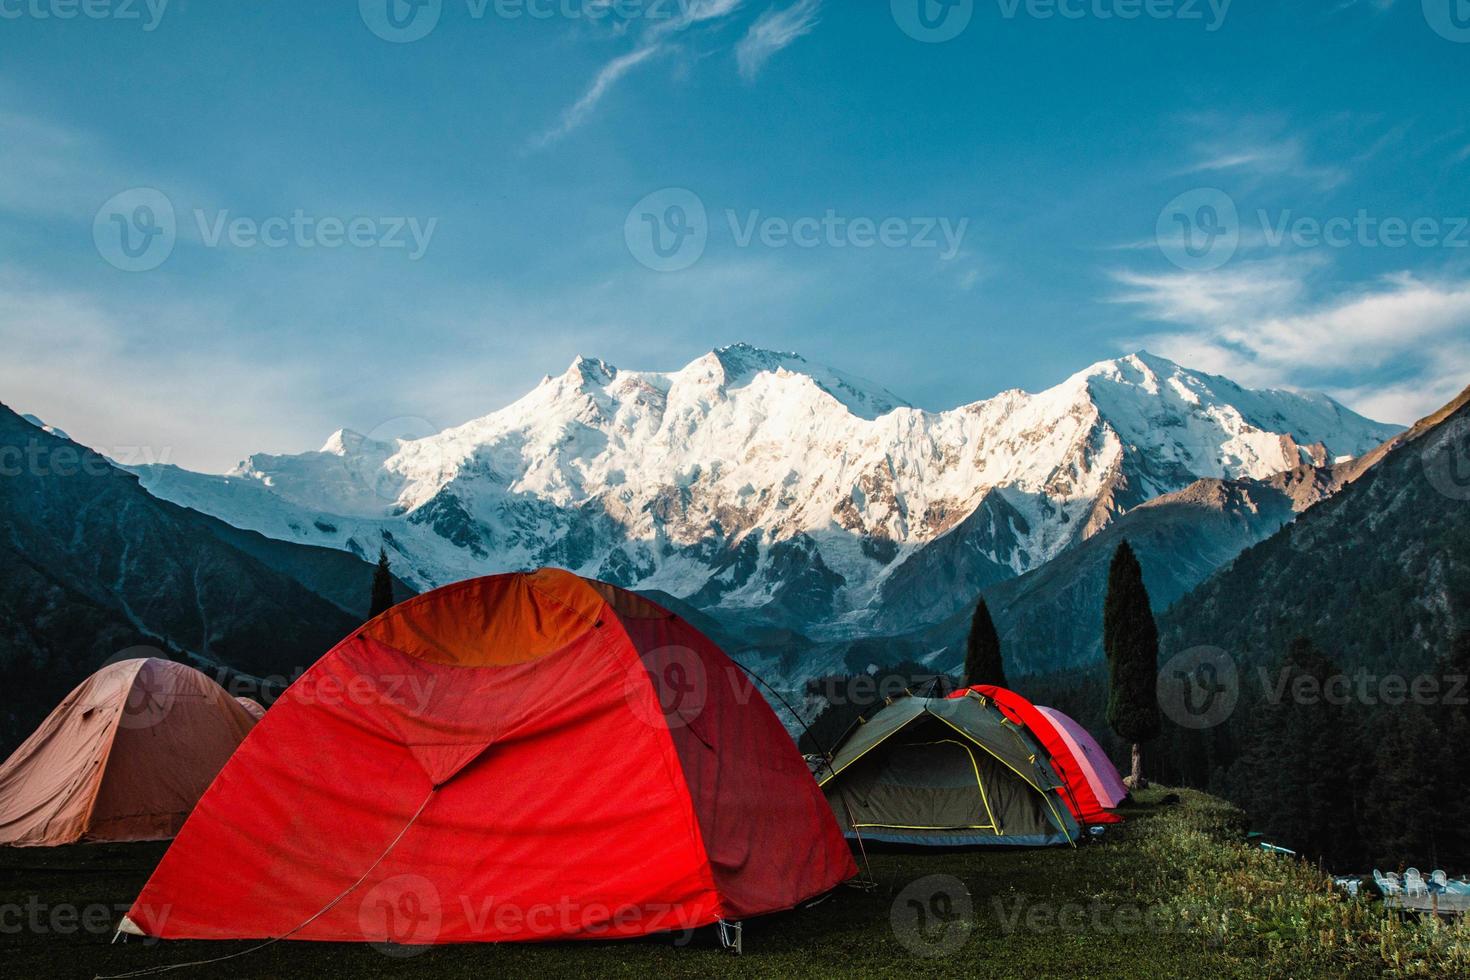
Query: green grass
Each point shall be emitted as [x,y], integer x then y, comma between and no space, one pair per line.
[1171,893]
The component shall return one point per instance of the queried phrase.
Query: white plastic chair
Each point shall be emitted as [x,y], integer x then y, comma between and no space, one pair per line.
[1439,881]
[1388,884]
[1414,883]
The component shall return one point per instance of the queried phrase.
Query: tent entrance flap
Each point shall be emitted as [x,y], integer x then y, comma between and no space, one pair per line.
[945,775]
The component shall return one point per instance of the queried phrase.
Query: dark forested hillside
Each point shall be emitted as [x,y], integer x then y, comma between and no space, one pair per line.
[1378,576]
[91,565]
[1341,647]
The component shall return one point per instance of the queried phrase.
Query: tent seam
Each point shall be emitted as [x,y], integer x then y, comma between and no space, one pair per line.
[106,756]
[678,779]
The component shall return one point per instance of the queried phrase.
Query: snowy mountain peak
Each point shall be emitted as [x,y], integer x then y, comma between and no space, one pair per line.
[722,374]
[591,370]
[343,442]
[40,424]
[741,362]
[760,481]
[1140,368]
[739,365]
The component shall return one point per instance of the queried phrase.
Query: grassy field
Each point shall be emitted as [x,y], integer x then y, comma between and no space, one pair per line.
[1169,894]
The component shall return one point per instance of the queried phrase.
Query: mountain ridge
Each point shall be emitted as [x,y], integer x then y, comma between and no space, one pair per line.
[759,486]
[91,565]
[1378,575]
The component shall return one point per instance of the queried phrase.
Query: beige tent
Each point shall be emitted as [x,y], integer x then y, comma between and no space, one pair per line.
[125,757]
[256,709]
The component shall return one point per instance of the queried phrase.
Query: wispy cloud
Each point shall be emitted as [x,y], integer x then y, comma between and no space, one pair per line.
[612,72]
[1265,148]
[1246,291]
[41,166]
[693,13]
[773,30]
[1393,136]
[97,371]
[1285,157]
[185,380]
[656,36]
[1263,323]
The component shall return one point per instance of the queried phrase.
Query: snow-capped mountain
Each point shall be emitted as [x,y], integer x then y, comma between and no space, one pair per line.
[760,484]
[41,424]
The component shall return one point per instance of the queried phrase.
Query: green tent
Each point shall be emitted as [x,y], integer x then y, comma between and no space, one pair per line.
[946,772]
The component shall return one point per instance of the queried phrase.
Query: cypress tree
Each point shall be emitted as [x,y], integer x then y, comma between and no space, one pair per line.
[983,663]
[1131,642]
[382,586]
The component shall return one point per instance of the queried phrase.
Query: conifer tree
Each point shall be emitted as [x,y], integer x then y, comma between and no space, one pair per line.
[983,662]
[382,599]
[1131,642]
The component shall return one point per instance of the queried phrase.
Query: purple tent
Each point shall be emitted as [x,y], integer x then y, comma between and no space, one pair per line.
[1100,773]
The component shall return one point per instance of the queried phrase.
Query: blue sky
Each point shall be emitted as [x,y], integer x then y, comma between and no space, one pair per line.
[1028,176]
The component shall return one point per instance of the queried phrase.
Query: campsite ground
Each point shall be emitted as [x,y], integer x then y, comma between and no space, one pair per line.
[1168,894]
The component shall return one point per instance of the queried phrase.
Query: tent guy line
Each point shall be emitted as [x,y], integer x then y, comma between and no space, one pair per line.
[126,927]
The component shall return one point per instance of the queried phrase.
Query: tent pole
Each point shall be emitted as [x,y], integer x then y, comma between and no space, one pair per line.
[731,936]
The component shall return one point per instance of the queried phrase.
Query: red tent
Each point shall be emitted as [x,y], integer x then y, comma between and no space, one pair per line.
[1080,796]
[521,757]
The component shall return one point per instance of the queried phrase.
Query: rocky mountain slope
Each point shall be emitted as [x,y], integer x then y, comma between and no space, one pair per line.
[769,491]
[1370,558]
[91,564]
[1051,619]
[1378,576]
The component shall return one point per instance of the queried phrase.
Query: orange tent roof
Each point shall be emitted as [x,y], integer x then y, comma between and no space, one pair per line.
[491,622]
[125,757]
